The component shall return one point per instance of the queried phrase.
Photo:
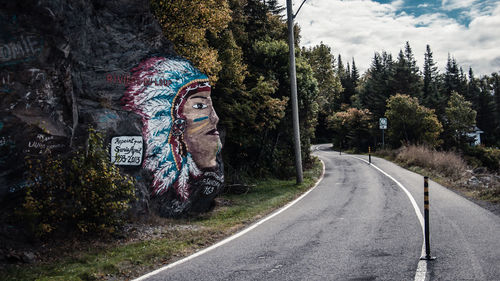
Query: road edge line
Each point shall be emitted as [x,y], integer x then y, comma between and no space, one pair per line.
[421,271]
[236,235]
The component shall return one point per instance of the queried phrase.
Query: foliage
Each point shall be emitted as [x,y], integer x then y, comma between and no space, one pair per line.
[406,75]
[167,239]
[378,86]
[431,98]
[83,192]
[352,127]
[187,23]
[460,118]
[448,164]
[411,123]
[485,157]
[322,62]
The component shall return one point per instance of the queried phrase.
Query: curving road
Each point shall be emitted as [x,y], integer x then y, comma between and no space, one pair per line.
[357,224]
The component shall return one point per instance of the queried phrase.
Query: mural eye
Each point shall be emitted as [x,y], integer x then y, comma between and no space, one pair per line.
[200,106]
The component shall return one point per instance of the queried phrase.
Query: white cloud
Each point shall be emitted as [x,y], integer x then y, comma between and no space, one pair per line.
[456,4]
[358,29]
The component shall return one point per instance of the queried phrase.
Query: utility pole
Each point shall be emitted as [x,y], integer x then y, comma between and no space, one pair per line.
[293,82]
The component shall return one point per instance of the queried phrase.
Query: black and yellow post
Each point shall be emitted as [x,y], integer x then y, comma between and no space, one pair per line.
[369,155]
[426,221]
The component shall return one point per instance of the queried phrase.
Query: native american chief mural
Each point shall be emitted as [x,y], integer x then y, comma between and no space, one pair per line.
[180,132]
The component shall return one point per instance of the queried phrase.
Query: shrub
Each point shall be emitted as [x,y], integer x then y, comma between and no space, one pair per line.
[447,163]
[83,192]
[409,122]
[486,157]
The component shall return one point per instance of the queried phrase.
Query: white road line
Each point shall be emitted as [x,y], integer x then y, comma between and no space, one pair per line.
[231,238]
[422,264]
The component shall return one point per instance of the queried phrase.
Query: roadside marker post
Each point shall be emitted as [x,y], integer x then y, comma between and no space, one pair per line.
[369,155]
[426,221]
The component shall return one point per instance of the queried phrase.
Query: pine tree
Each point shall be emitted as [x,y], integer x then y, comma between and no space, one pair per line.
[473,91]
[431,96]
[495,82]
[378,86]
[486,112]
[406,78]
[451,78]
[354,75]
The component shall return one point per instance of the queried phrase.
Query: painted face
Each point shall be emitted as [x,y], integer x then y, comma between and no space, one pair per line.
[201,135]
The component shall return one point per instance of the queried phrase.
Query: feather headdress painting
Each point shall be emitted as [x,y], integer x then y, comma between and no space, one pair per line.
[179,122]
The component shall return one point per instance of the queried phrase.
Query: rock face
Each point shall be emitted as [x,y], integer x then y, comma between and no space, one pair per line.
[66,65]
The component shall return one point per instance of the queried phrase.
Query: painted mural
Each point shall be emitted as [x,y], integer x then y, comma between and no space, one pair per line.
[182,143]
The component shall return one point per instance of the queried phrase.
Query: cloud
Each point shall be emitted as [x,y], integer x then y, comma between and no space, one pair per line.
[457,4]
[358,29]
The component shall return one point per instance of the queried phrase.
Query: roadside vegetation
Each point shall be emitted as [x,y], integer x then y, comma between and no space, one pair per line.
[142,246]
[468,175]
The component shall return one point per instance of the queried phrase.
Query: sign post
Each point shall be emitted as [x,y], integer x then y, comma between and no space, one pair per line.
[383,126]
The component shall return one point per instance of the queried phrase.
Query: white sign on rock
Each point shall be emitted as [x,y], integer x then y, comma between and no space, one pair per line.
[126,150]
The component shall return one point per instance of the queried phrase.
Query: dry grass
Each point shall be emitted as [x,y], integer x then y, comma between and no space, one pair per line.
[448,164]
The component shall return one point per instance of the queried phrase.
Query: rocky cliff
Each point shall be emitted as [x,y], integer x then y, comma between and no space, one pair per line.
[64,66]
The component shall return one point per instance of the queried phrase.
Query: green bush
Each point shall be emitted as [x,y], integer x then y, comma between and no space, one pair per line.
[83,192]
[485,157]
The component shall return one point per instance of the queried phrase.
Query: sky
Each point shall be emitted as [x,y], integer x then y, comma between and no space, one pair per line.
[468,30]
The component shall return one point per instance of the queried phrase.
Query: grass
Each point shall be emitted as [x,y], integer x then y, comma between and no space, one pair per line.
[447,168]
[131,259]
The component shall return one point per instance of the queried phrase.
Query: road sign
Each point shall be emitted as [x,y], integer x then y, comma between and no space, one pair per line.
[383,123]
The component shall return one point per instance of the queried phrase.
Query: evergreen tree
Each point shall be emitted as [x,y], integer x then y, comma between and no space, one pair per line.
[495,82]
[486,119]
[378,85]
[431,96]
[354,75]
[406,77]
[451,81]
[473,90]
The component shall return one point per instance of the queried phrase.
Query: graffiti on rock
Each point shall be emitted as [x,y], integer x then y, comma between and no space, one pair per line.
[126,79]
[44,143]
[16,47]
[179,126]
[21,49]
[126,150]
[5,83]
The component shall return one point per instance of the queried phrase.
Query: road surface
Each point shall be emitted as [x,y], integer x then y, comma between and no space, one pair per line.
[358,224]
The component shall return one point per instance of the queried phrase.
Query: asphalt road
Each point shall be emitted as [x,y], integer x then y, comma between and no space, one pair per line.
[358,224]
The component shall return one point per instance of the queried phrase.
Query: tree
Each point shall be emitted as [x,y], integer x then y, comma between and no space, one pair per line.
[486,120]
[406,76]
[473,90]
[322,62]
[187,23]
[354,76]
[378,86]
[460,118]
[451,81]
[352,128]
[431,98]
[274,7]
[495,82]
[411,123]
